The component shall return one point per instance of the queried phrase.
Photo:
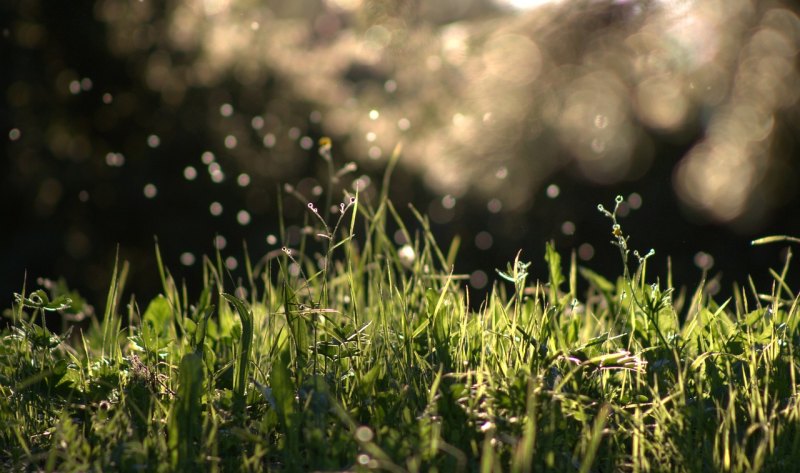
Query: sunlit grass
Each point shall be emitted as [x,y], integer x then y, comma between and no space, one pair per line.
[344,354]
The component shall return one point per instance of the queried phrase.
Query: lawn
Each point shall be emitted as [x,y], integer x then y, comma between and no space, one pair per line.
[349,352]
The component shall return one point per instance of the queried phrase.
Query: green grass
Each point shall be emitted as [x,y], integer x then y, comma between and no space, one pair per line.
[342,354]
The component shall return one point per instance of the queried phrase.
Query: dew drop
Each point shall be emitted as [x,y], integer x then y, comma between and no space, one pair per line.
[190,173]
[150,191]
[187,259]
[215,209]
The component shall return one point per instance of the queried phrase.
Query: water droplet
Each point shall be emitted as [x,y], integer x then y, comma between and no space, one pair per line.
[484,240]
[190,173]
[406,256]
[231,263]
[14,134]
[243,217]
[215,208]
[220,242]
[601,121]
[150,191]
[478,279]
[374,153]
[364,434]
[374,114]
[553,191]
[187,259]
[635,200]
[231,142]
[448,201]
[243,180]
[226,110]
[586,252]
[153,141]
[115,159]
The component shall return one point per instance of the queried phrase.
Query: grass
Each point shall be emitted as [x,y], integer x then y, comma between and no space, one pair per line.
[348,353]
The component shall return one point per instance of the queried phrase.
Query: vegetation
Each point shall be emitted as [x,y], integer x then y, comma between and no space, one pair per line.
[349,353]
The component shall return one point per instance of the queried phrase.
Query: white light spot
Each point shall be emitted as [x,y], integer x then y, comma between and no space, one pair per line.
[187,259]
[371,136]
[190,173]
[585,252]
[215,208]
[153,141]
[150,191]
[226,110]
[553,191]
[272,239]
[374,153]
[703,260]
[254,26]
[231,263]
[220,242]
[115,159]
[243,180]
[83,196]
[315,116]
[635,201]
[448,201]
[407,256]
[243,217]
[364,434]
[483,240]
[374,114]
[478,279]
[207,157]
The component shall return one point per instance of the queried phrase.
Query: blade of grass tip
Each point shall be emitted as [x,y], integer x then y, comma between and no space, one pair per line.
[110,307]
[387,175]
[243,362]
[774,239]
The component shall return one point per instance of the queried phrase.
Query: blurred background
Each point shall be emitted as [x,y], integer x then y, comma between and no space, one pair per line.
[183,119]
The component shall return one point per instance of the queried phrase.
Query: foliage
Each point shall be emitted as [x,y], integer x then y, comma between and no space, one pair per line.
[344,355]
